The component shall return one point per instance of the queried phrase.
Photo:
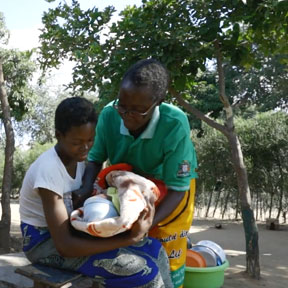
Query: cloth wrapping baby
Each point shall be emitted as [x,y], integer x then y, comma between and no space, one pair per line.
[133,193]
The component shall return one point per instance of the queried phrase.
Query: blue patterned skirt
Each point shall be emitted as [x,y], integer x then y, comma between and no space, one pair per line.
[143,265]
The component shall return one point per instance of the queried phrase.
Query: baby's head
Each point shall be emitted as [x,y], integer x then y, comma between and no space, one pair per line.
[98,207]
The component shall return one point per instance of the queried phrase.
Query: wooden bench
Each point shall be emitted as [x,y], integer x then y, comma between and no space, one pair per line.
[49,277]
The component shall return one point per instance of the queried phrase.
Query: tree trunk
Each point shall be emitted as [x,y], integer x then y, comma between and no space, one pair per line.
[256,205]
[237,206]
[249,223]
[250,226]
[209,204]
[271,202]
[281,188]
[201,202]
[225,204]
[261,209]
[8,166]
[217,201]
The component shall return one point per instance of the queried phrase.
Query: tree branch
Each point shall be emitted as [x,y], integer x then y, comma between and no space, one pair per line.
[222,93]
[198,113]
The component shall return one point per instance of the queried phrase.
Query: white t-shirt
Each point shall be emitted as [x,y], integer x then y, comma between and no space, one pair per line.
[47,172]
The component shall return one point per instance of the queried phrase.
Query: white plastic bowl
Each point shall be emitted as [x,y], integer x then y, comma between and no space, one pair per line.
[215,247]
[98,208]
[208,254]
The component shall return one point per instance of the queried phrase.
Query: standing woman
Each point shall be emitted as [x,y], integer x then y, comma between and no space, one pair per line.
[138,128]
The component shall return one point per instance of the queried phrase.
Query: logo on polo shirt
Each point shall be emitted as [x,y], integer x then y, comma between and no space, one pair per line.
[183,169]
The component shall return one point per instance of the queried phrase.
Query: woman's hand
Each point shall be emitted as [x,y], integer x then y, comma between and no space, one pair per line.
[141,227]
[79,196]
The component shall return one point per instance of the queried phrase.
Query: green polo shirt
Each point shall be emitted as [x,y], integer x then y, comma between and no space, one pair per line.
[163,151]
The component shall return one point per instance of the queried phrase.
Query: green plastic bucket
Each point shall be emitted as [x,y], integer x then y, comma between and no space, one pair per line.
[207,277]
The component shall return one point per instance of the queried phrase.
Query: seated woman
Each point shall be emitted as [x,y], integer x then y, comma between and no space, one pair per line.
[126,260]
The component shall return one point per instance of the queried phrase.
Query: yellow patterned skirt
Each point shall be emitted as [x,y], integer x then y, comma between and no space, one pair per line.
[173,231]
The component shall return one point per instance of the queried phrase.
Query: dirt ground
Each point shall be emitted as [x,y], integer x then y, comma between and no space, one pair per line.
[272,246]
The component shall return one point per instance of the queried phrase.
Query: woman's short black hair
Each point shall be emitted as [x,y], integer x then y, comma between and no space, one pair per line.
[74,111]
[151,74]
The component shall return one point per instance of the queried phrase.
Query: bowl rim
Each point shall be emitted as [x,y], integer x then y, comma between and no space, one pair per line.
[200,258]
[222,267]
[215,247]
[206,251]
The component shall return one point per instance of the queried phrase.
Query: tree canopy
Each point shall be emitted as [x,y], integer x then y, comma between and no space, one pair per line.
[181,34]
[18,69]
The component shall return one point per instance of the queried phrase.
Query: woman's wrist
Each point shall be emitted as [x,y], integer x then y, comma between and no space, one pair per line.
[79,196]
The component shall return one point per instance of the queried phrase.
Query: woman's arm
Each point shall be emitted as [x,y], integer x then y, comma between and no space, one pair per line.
[167,205]
[91,171]
[69,244]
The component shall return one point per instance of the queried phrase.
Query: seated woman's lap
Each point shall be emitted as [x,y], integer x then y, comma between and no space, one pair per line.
[141,265]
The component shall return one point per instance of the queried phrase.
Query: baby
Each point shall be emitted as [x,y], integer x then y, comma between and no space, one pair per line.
[134,192]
